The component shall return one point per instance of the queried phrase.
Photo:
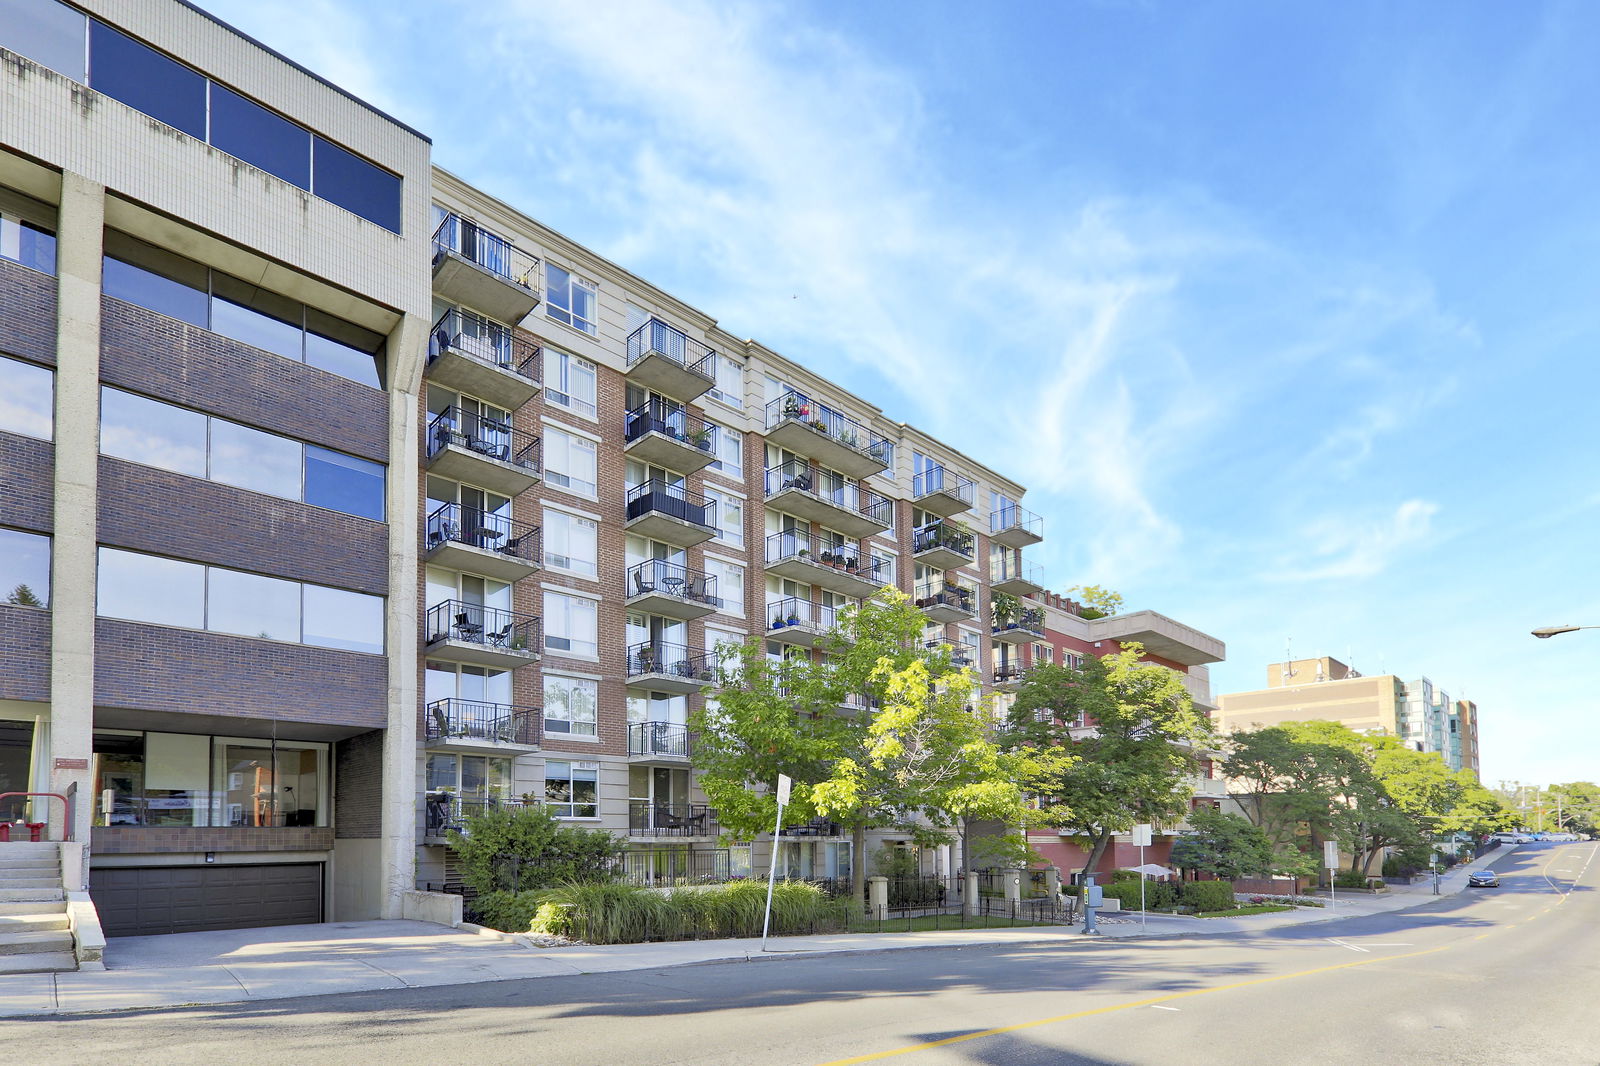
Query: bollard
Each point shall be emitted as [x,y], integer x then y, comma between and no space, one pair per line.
[878,898]
[969,898]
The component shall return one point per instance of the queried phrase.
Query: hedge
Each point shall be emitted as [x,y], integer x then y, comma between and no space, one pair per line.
[1208,895]
[599,913]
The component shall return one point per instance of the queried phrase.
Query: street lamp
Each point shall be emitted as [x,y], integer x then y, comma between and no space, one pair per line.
[1549,631]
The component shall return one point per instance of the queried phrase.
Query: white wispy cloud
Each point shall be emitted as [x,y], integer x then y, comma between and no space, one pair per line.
[1354,545]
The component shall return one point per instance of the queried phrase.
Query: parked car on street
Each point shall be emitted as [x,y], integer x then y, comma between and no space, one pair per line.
[1483,879]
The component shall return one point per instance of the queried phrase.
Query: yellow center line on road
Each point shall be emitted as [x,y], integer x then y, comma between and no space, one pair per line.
[878,1056]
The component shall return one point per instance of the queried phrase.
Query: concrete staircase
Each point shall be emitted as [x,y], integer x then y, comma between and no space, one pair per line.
[35,928]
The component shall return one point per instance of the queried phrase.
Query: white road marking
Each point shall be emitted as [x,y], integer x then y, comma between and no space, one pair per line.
[1157,1006]
[1352,947]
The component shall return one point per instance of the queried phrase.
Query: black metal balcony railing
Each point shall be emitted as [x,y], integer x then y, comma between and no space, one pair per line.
[489,250]
[660,738]
[658,337]
[938,479]
[1013,516]
[816,827]
[1010,671]
[647,818]
[675,501]
[831,488]
[656,657]
[486,341]
[475,623]
[946,594]
[812,548]
[458,719]
[670,420]
[488,437]
[446,811]
[960,654]
[1030,619]
[796,406]
[480,529]
[943,535]
[672,579]
[793,611]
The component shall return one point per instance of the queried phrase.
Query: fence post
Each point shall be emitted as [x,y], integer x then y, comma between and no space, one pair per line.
[877,898]
[969,898]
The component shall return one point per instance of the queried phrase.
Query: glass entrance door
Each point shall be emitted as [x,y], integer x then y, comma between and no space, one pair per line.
[16,769]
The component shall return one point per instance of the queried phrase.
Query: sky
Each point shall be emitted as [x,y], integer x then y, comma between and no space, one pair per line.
[1285,314]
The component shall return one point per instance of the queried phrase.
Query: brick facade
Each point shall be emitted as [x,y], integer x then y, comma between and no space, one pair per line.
[358,786]
[174,840]
[27,489]
[24,653]
[27,313]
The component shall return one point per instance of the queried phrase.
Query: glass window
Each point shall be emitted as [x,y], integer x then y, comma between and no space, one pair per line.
[569,381]
[27,399]
[245,129]
[569,624]
[251,459]
[885,566]
[46,32]
[343,348]
[570,461]
[23,242]
[571,789]
[730,381]
[727,514]
[153,433]
[265,783]
[335,618]
[570,542]
[177,291]
[569,298]
[257,317]
[730,584]
[24,568]
[148,588]
[343,178]
[344,483]
[146,80]
[177,779]
[251,605]
[728,446]
[569,705]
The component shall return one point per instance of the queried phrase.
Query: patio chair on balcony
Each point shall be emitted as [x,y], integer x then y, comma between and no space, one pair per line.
[441,722]
[501,637]
[466,629]
[640,585]
[695,590]
[511,546]
[440,534]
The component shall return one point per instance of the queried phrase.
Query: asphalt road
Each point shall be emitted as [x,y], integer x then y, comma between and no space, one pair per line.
[1493,976]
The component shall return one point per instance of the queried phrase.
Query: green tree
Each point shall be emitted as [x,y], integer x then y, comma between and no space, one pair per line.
[23,596]
[1576,805]
[877,734]
[1097,598]
[1227,845]
[1129,728]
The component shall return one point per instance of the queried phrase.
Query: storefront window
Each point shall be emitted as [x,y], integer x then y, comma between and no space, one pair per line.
[188,780]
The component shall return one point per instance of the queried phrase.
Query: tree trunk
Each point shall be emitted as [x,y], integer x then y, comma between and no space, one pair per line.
[1096,853]
[858,867]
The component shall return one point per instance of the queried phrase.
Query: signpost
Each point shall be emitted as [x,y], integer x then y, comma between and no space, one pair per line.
[1141,837]
[784,785]
[1330,859]
[1092,898]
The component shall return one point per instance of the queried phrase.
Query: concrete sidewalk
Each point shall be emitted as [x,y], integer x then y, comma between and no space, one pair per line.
[240,965]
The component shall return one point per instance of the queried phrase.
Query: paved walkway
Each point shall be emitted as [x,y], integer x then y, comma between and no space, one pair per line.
[306,960]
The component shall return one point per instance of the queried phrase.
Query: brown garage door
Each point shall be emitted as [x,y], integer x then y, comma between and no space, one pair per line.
[134,901]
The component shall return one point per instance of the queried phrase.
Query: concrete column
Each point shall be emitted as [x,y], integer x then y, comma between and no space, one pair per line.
[1013,888]
[969,896]
[1052,883]
[77,450]
[877,898]
[397,852]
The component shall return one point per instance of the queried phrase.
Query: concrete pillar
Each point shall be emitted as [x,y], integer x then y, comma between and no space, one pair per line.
[397,851]
[877,898]
[969,897]
[1013,889]
[1052,883]
[77,453]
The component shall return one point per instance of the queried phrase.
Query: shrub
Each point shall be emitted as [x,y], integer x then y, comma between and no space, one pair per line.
[600,913]
[1158,895]
[1122,877]
[521,848]
[509,912]
[1350,879]
[1207,895]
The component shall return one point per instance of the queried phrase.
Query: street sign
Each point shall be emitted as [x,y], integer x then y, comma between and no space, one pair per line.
[1330,854]
[1141,836]
[784,784]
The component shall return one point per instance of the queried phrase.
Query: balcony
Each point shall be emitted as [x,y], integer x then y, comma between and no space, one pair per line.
[667,360]
[483,358]
[667,435]
[943,545]
[792,620]
[942,492]
[477,542]
[837,441]
[659,587]
[1024,626]
[826,498]
[465,446]
[946,601]
[473,727]
[1008,676]
[1015,577]
[812,560]
[669,513]
[460,632]
[483,270]
[1161,636]
[1015,527]
[816,827]
[445,811]
[961,655]
[663,667]
[648,819]
[660,741]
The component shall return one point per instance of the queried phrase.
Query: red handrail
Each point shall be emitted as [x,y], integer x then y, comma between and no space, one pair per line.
[66,807]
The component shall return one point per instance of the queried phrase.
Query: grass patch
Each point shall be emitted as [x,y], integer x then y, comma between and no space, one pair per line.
[1259,908]
[926,922]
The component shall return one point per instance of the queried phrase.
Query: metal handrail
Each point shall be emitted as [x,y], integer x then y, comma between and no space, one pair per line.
[465,238]
[650,818]
[660,738]
[66,808]
[948,593]
[478,719]
[669,499]
[486,341]
[938,479]
[960,654]
[824,485]
[804,612]
[1030,619]
[943,534]
[796,406]
[671,579]
[668,419]
[793,543]
[658,338]
[451,522]
[488,437]
[659,657]
[1005,569]
[476,623]
[1014,516]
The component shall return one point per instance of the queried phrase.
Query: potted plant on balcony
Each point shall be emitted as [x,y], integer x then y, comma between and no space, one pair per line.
[852,564]
[794,618]
[777,621]
[701,438]
[819,425]
[826,558]
[1007,610]
[847,437]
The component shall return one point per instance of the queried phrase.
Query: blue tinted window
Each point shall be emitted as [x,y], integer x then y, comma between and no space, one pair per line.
[24,568]
[344,483]
[146,80]
[356,185]
[25,243]
[339,358]
[254,134]
[46,32]
[148,289]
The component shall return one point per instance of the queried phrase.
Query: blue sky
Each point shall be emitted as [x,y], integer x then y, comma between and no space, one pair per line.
[1285,313]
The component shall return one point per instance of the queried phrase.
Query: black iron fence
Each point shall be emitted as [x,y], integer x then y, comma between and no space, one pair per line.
[458,719]
[660,738]
[946,594]
[662,497]
[655,337]
[658,576]
[488,437]
[674,660]
[486,341]
[821,551]
[453,523]
[943,535]
[938,479]
[797,475]
[476,623]
[647,818]
[492,252]
[796,406]
[668,419]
